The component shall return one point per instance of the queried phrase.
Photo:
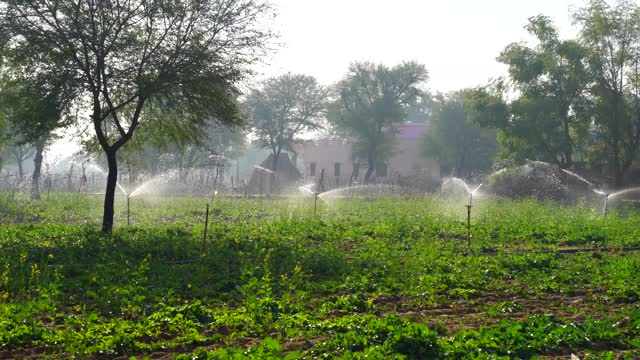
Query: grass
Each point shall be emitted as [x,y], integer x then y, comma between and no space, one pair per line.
[383,278]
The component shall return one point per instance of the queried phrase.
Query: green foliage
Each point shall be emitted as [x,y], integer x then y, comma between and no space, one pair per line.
[611,34]
[461,147]
[547,119]
[570,101]
[390,278]
[167,66]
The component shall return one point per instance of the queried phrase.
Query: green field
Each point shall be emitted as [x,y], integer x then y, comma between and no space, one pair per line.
[385,278]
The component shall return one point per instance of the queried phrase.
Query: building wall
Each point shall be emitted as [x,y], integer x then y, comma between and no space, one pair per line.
[325,154]
[406,158]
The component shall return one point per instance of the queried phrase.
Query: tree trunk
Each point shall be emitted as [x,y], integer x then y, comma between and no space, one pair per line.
[616,168]
[20,169]
[371,162]
[274,167]
[37,168]
[618,177]
[112,179]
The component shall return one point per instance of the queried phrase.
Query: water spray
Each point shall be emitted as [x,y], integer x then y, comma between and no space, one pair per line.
[606,200]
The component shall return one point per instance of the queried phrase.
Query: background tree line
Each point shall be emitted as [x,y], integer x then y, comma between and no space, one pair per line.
[169,72]
[575,102]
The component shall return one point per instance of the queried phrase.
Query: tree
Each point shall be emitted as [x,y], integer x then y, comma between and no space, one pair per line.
[141,63]
[21,152]
[371,98]
[3,136]
[35,111]
[284,107]
[460,146]
[612,36]
[546,119]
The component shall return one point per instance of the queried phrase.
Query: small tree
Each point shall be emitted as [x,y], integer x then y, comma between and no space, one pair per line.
[141,63]
[35,111]
[283,108]
[371,98]
[460,146]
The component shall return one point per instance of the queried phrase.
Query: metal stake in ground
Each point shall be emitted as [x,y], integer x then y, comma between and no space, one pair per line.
[469,224]
[50,180]
[206,224]
[315,203]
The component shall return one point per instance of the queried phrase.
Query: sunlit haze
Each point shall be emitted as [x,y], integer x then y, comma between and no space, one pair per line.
[458,41]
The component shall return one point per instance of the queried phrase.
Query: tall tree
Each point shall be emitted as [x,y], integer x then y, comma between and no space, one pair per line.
[141,62]
[546,119]
[285,107]
[373,97]
[612,35]
[460,146]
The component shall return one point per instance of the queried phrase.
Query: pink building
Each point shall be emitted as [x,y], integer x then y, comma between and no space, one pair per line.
[335,156]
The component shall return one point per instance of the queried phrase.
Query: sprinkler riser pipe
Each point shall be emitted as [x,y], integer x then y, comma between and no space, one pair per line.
[49,188]
[315,204]
[206,225]
[469,225]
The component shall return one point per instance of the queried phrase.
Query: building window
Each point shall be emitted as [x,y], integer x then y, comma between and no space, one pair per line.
[381,170]
[336,169]
[312,169]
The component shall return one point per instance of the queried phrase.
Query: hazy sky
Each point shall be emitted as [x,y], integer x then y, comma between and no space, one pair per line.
[458,40]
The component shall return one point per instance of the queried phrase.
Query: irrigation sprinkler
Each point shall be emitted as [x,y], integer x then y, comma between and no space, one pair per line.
[315,203]
[469,206]
[606,200]
[206,225]
[128,211]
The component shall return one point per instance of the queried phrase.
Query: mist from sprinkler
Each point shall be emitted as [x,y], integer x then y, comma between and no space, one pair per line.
[263,169]
[315,194]
[596,189]
[457,183]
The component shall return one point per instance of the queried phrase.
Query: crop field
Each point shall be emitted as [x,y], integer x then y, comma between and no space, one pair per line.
[391,277]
